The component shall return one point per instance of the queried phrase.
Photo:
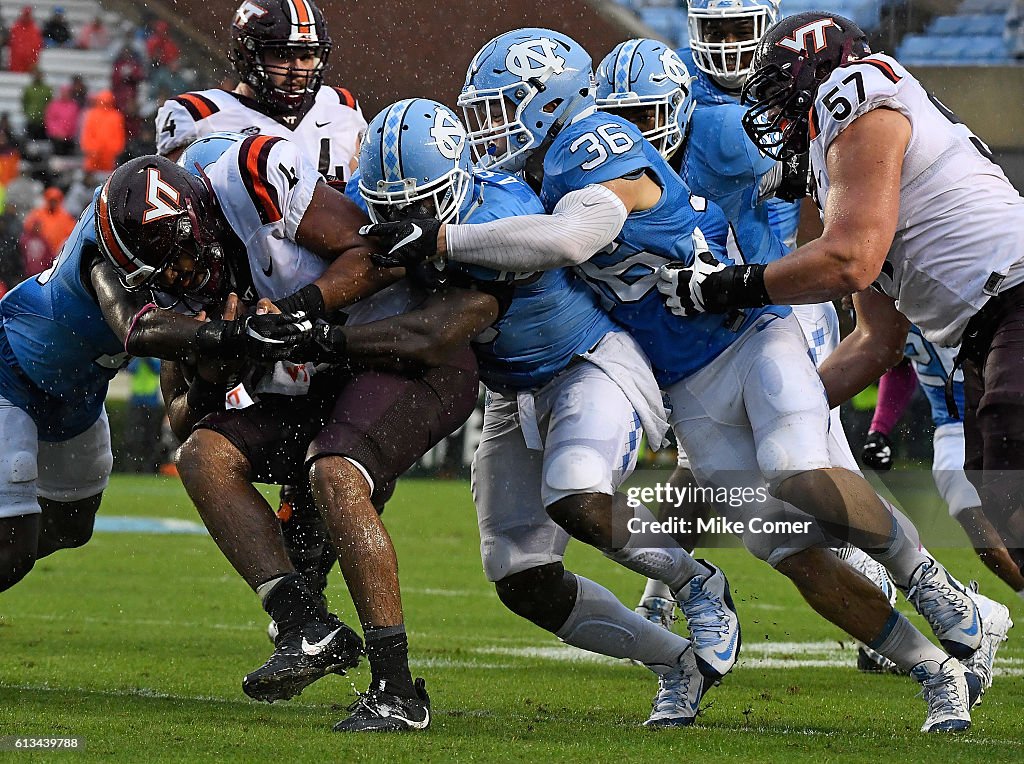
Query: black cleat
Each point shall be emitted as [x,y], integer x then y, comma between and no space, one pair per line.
[377,710]
[301,657]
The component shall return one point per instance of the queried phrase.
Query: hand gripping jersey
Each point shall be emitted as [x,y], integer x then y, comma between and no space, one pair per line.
[57,354]
[960,234]
[933,366]
[328,133]
[783,216]
[598,147]
[553,316]
[722,164]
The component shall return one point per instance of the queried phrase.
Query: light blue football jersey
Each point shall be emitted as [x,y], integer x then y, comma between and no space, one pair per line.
[553,316]
[933,365]
[57,353]
[783,216]
[601,147]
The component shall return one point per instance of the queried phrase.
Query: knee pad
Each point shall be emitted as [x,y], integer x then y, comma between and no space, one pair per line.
[514,550]
[526,592]
[576,469]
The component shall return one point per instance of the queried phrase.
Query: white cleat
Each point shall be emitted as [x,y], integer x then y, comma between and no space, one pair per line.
[949,692]
[706,603]
[996,624]
[679,694]
[658,610]
[947,606]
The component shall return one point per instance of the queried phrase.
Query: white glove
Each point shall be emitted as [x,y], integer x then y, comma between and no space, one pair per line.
[681,284]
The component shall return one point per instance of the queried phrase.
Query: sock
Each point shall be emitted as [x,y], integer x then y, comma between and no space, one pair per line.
[387,650]
[290,603]
[901,556]
[656,588]
[601,624]
[656,555]
[904,645]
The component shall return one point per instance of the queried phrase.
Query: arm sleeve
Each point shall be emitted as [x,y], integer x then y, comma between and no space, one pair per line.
[581,224]
[895,389]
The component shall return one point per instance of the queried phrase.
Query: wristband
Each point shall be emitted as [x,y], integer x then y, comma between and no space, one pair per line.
[308,300]
[738,286]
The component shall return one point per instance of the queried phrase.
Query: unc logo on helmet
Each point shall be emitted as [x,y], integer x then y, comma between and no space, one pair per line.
[448,134]
[413,163]
[675,69]
[535,58]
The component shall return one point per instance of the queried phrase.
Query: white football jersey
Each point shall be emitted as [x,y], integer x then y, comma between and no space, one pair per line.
[328,133]
[960,234]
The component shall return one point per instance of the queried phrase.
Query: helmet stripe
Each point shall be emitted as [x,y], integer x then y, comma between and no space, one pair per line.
[108,235]
[252,165]
[303,22]
[391,137]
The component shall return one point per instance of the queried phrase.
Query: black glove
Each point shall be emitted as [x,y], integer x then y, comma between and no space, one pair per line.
[277,336]
[876,452]
[405,243]
[432,275]
[328,343]
[309,301]
[222,338]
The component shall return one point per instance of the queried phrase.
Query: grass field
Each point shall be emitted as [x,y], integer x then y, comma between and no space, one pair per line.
[138,643]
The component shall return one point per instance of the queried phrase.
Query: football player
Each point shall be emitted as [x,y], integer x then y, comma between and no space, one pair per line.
[568,396]
[529,97]
[148,242]
[348,430]
[646,83]
[279,50]
[863,111]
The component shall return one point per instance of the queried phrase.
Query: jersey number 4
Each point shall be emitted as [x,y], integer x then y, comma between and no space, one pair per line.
[603,142]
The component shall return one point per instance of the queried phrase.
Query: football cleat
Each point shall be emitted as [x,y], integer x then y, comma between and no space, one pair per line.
[950,691]
[301,657]
[679,694]
[377,710]
[658,610]
[948,608]
[995,623]
[707,605]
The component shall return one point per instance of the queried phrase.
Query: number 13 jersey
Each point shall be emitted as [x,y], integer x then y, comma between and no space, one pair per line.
[960,232]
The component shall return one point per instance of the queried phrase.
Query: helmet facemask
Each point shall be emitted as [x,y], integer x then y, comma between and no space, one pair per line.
[723,40]
[657,117]
[297,84]
[442,198]
[494,120]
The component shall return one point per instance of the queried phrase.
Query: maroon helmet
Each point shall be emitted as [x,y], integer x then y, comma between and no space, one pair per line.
[793,58]
[287,29]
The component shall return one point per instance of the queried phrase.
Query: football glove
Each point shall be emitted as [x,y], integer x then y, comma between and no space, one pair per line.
[405,243]
[876,452]
[276,336]
[681,285]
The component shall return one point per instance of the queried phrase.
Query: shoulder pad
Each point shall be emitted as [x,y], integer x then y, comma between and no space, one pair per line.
[852,90]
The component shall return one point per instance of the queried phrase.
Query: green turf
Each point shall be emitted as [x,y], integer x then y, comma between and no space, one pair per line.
[138,644]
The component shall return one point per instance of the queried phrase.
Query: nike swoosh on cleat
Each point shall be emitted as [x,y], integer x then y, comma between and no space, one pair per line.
[726,654]
[318,647]
[415,234]
[974,626]
[421,725]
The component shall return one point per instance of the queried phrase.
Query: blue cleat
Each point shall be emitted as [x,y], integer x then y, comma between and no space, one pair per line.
[707,605]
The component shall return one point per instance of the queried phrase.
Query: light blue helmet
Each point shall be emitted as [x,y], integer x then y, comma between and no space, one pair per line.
[413,162]
[743,22]
[203,152]
[644,74]
[518,86]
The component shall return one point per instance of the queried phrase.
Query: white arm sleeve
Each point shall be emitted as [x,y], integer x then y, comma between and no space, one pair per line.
[582,223]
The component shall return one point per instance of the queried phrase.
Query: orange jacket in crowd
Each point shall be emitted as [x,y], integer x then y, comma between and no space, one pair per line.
[103,134]
[25,41]
[53,222]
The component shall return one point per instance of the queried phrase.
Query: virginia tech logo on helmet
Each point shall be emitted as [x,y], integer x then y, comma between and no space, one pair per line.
[449,136]
[674,68]
[161,197]
[534,58]
[248,10]
[797,42]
